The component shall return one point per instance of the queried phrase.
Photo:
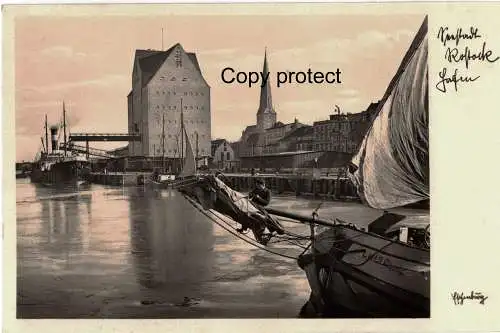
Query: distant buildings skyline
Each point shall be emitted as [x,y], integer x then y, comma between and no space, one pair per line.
[291,146]
[86,62]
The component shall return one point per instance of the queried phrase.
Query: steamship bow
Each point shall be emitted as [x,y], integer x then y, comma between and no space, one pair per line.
[59,167]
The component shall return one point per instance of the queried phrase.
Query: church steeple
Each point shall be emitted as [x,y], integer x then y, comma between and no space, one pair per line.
[266,116]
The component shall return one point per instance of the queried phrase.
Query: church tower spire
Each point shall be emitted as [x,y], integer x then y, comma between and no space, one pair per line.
[266,116]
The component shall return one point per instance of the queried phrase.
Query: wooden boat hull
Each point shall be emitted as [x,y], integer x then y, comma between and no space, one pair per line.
[359,274]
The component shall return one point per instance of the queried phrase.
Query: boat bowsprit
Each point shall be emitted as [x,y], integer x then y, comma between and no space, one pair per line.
[213,194]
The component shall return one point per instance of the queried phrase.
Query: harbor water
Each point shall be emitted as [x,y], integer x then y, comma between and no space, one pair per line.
[134,252]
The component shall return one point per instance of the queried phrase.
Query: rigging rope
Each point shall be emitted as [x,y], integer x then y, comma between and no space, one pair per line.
[215,217]
[246,238]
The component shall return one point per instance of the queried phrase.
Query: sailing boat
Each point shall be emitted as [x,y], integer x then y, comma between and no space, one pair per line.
[384,271]
[160,179]
[59,167]
[187,163]
[213,194]
[188,174]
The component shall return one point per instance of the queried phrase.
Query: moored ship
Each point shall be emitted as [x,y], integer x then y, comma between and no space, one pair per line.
[59,167]
[383,272]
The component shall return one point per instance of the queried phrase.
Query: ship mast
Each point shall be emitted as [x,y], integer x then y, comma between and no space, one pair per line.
[182,134]
[197,147]
[46,136]
[43,143]
[163,145]
[64,127]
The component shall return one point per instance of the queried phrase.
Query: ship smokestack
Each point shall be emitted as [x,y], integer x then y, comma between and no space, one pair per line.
[53,135]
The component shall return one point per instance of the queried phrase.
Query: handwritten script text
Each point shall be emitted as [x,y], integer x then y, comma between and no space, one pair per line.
[457,53]
[459,298]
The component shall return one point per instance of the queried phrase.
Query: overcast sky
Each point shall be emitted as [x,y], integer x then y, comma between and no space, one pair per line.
[87,62]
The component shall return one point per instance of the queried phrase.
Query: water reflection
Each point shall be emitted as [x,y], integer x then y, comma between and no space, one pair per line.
[132,252]
[65,216]
[171,242]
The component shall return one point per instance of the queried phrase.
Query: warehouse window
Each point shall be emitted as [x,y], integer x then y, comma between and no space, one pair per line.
[178,58]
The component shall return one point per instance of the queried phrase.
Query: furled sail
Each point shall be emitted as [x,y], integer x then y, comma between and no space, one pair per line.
[189,166]
[391,168]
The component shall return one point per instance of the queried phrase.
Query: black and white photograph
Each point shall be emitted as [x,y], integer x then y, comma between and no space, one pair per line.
[222,167]
[250,161]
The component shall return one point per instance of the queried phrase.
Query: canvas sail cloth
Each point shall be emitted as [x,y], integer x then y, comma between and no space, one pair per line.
[189,166]
[391,168]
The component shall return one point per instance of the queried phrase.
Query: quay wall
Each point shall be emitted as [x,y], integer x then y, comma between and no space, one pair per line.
[119,178]
[321,187]
[336,188]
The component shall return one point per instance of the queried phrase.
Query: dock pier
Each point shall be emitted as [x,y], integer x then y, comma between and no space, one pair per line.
[335,188]
[321,187]
[119,178]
